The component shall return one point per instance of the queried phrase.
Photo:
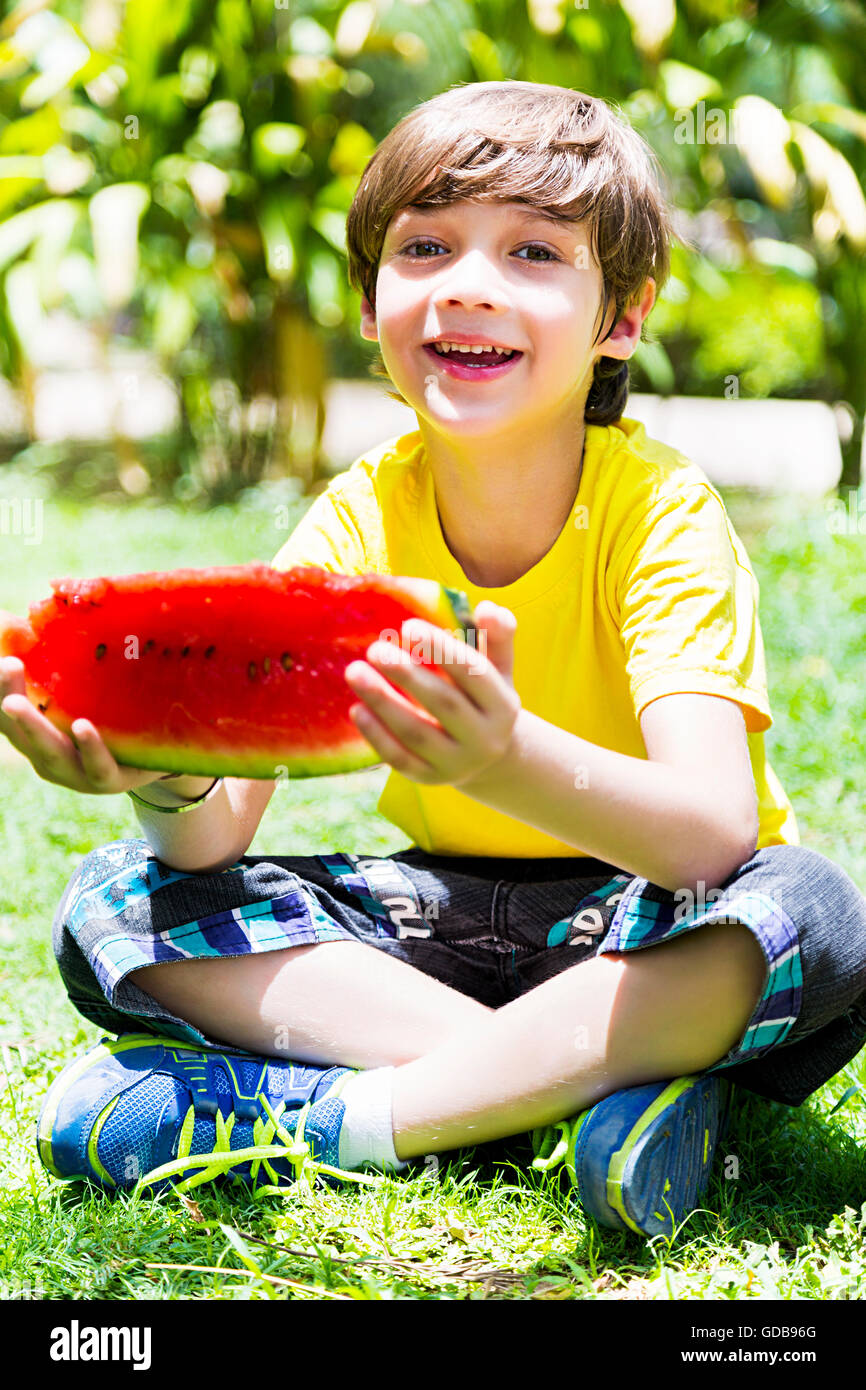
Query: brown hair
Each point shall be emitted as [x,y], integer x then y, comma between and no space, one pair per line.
[561,151]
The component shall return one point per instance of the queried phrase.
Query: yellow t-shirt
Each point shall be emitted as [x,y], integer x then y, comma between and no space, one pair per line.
[646,591]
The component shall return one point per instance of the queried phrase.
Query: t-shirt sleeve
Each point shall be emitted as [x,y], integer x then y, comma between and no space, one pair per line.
[688,608]
[327,536]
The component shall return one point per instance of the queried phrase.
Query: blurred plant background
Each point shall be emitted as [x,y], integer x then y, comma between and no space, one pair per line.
[175,176]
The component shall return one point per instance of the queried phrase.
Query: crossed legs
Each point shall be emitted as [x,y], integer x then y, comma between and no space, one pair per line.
[465,1073]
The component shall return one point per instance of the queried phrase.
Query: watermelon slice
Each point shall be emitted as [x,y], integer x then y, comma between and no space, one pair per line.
[235,670]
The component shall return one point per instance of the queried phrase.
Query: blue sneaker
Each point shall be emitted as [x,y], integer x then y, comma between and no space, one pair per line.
[640,1158]
[149,1110]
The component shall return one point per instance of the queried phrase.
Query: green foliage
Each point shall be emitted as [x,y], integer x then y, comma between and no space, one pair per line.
[242,128]
[758,322]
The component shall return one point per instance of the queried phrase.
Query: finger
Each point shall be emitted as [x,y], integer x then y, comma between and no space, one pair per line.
[456,714]
[97,762]
[471,671]
[14,715]
[387,746]
[365,679]
[498,626]
[38,735]
[415,728]
[53,754]
[11,676]
[11,684]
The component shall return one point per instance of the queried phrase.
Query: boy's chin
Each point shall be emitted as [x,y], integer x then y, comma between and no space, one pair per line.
[464,421]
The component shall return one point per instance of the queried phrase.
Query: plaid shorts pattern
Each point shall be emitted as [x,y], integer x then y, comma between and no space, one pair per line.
[491,928]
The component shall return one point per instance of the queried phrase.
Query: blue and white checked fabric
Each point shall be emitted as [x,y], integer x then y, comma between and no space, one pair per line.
[293,919]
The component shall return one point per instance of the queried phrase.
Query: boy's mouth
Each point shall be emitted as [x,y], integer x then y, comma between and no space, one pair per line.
[473,363]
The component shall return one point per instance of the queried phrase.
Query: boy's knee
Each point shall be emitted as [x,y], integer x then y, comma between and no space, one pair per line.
[686,1002]
[803,881]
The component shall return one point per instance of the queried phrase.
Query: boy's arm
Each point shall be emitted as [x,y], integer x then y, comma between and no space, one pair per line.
[210,836]
[686,814]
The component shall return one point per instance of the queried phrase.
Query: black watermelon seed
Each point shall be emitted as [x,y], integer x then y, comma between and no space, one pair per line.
[266,665]
[166,651]
[210,651]
[251,670]
[44,707]
[149,644]
[185,651]
[100,651]
[286,661]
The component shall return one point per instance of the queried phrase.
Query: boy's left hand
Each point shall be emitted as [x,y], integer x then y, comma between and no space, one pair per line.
[466,723]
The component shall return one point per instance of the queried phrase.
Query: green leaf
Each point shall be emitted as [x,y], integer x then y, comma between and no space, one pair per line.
[325,276]
[150,28]
[174,320]
[831,113]
[275,145]
[848,1095]
[331,226]
[684,86]
[281,221]
[654,360]
[233,21]
[235,1239]
[486,58]
[31,134]
[351,150]
[55,220]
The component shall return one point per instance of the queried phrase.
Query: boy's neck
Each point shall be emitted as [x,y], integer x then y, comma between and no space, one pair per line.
[501,508]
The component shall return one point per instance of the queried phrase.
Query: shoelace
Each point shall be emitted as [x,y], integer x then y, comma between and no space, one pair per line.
[559,1149]
[222,1156]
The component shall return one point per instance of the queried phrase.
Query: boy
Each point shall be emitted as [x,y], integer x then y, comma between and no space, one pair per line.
[605,914]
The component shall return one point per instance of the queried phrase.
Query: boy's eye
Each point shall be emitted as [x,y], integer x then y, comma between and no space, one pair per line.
[532,246]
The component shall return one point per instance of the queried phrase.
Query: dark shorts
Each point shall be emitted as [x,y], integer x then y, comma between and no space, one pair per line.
[491,928]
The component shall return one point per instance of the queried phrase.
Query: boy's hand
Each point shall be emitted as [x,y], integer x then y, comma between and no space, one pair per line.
[466,723]
[88,767]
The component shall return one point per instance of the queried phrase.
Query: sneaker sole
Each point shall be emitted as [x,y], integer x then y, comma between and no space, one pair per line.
[661,1167]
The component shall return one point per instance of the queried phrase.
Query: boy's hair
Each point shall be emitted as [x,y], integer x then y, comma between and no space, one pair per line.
[558,150]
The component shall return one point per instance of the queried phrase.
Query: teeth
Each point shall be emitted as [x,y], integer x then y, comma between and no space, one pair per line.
[466,347]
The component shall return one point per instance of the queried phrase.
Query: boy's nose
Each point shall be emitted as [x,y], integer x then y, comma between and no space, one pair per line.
[471,280]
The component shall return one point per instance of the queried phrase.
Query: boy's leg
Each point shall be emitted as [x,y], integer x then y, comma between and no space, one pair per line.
[300,957]
[628,1017]
[648,1016]
[765,985]
[336,1002]
[659,1013]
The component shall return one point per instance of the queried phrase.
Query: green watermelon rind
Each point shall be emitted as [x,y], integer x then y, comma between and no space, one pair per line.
[172,759]
[462,611]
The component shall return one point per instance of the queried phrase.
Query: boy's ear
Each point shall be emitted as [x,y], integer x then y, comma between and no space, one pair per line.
[368,321]
[625,336]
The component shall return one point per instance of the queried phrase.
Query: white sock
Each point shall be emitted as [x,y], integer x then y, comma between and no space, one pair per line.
[367,1135]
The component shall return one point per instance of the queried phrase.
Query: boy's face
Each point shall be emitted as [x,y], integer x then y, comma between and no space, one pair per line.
[501,274]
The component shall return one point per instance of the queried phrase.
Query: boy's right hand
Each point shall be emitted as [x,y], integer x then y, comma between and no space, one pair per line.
[82,762]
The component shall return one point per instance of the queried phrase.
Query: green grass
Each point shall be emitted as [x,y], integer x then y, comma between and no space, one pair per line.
[481,1224]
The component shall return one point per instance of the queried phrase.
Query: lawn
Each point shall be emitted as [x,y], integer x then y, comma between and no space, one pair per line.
[479,1224]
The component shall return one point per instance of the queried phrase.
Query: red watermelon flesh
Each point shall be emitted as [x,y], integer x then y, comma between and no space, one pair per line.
[234,670]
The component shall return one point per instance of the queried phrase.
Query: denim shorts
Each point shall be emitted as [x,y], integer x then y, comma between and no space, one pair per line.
[492,928]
